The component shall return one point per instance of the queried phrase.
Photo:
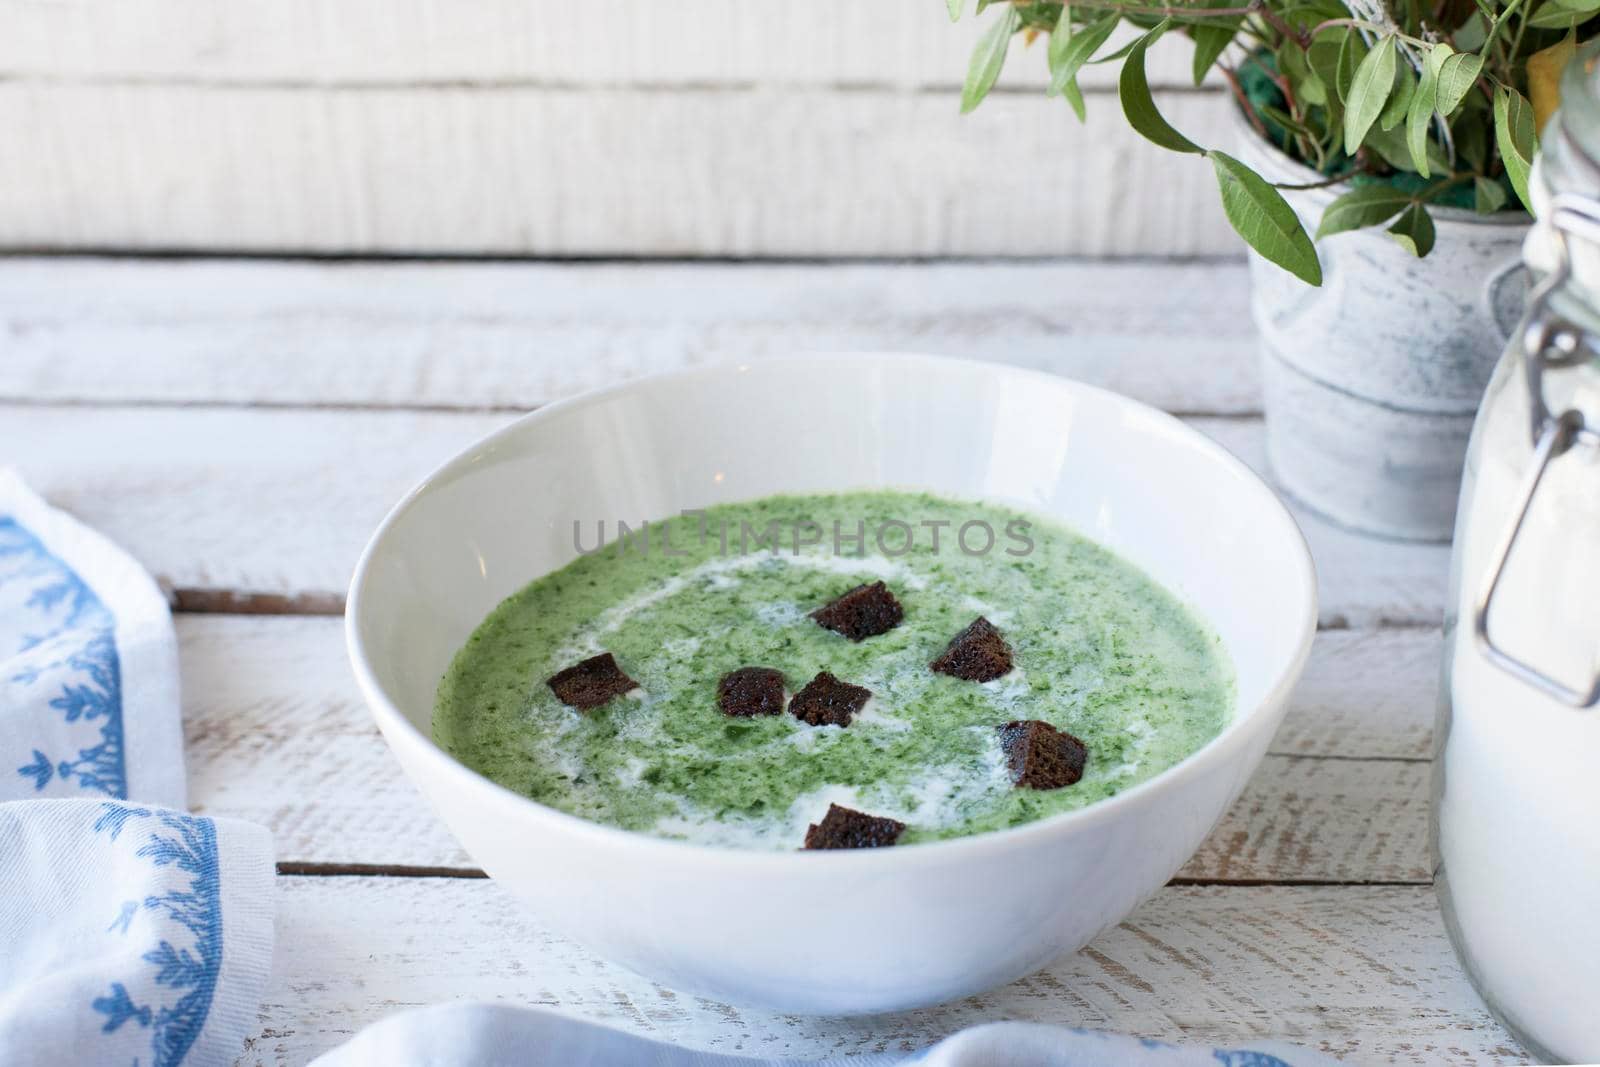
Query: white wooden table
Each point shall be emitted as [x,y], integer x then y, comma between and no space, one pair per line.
[241,426]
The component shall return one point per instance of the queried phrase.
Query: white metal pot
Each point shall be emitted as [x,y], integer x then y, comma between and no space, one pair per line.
[1372,380]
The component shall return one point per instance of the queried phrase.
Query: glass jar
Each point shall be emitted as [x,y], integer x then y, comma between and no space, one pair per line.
[1516,795]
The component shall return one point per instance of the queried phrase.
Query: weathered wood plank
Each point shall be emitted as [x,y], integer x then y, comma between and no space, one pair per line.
[1303,819]
[276,733]
[902,43]
[1362,973]
[1176,335]
[1367,694]
[223,501]
[1413,577]
[531,170]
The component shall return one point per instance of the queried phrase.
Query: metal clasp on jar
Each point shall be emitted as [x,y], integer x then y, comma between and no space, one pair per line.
[1550,343]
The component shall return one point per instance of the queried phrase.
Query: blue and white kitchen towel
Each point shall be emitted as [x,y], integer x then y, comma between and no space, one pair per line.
[495,1035]
[130,931]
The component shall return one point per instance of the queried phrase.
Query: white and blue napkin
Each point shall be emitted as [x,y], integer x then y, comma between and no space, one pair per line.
[495,1035]
[131,933]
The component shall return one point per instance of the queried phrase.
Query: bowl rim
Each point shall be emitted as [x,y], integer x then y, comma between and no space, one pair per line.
[1219,750]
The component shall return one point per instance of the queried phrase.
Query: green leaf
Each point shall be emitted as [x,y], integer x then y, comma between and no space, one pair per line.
[954,7]
[1391,146]
[1560,14]
[1394,112]
[1471,133]
[1365,205]
[1265,220]
[1121,53]
[1515,136]
[1211,39]
[1060,38]
[1140,107]
[1319,71]
[1457,74]
[1419,116]
[1314,11]
[1074,97]
[1287,121]
[1295,65]
[988,58]
[1414,230]
[1352,52]
[1334,148]
[1471,35]
[1374,80]
[1323,57]
[1488,196]
[1314,91]
[1069,56]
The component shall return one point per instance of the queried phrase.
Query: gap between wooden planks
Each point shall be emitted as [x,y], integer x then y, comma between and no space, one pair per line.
[1365,973]
[276,733]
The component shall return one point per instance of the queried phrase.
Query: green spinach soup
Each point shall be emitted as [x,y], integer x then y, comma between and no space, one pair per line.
[835,670]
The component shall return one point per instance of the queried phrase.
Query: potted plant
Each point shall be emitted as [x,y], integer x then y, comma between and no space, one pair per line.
[1371,134]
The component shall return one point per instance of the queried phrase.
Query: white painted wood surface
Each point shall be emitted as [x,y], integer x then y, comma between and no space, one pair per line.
[706,127]
[902,44]
[241,426]
[1359,972]
[221,502]
[516,335]
[763,171]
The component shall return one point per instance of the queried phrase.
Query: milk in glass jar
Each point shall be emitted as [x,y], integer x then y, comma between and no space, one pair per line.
[1516,826]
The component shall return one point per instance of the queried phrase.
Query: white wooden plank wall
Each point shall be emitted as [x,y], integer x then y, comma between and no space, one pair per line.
[743,128]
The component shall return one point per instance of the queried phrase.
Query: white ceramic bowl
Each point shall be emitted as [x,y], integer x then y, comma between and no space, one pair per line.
[835,932]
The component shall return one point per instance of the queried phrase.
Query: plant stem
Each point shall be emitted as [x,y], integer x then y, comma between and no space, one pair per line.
[1441,186]
[1494,30]
[1335,180]
[1309,148]
[1244,102]
[1516,45]
[1194,13]
[1187,15]
[1276,21]
[1362,24]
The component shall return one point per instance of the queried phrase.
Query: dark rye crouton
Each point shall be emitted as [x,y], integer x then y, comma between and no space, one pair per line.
[978,653]
[848,828]
[751,691]
[826,701]
[865,611]
[1040,756]
[589,684]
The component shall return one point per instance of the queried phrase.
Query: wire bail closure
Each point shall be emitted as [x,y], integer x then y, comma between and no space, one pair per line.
[1550,343]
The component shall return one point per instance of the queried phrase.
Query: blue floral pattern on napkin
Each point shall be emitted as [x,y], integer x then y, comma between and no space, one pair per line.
[191,915]
[55,632]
